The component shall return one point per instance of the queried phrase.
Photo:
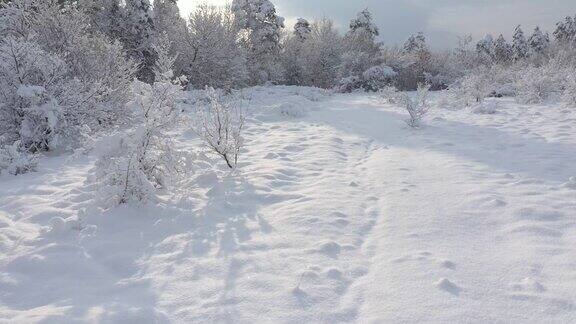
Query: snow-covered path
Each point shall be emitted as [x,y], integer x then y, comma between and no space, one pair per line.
[340,214]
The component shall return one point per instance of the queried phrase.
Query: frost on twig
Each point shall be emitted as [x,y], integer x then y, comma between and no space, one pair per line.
[418,106]
[219,124]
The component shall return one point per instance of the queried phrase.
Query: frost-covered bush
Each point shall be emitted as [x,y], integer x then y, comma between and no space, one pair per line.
[474,88]
[539,84]
[34,91]
[59,82]
[378,77]
[418,106]
[373,79]
[15,161]
[569,95]
[390,94]
[219,124]
[135,165]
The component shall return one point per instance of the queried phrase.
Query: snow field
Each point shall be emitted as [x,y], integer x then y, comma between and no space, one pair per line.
[339,212]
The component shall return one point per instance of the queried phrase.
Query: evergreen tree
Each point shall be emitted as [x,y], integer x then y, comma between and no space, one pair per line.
[302,29]
[519,45]
[138,37]
[168,22]
[292,51]
[485,49]
[418,56]
[361,50]
[502,50]
[539,42]
[565,32]
[363,21]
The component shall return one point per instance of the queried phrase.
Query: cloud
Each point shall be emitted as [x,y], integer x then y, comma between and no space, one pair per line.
[441,20]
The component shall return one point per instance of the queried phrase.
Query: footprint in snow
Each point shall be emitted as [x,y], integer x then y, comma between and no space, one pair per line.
[448,286]
[331,249]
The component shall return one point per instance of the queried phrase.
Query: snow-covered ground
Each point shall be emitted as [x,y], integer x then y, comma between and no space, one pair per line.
[338,213]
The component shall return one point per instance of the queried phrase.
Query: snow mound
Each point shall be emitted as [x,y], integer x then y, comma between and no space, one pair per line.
[486,108]
[292,110]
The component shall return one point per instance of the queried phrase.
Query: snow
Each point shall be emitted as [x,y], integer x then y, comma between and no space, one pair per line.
[338,212]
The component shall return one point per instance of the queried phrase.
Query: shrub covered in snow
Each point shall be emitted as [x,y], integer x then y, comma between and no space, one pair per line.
[569,95]
[418,106]
[539,84]
[390,94]
[133,166]
[219,124]
[15,161]
[58,82]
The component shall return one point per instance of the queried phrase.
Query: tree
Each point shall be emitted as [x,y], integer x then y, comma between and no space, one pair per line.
[302,29]
[502,50]
[322,55]
[363,22]
[263,26]
[167,21]
[565,32]
[485,49]
[361,51]
[105,16]
[418,57]
[539,42]
[139,36]
[292,50]
[519,45]
[213,56]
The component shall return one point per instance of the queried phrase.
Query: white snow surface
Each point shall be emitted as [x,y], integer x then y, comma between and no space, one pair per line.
[339,212]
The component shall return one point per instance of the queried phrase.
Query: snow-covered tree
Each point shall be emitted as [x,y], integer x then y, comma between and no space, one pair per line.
[363,22]
[302,29]
[292,51]
[322,55]
[565,32]
[519,45]
[134,166]
[167,21]
[263,26]
[138,36]
[361,50]
[213,55]
[485,49]
[418,57]
[539,42]
[502,50]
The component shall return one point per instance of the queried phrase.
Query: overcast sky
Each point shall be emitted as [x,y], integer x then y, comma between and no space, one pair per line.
[441,20]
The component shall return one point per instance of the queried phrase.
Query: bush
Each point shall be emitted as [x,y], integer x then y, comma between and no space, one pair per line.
[536,85]
[133,166]
[220,125]
[59,82]
[569,95]
[417,107]
[15,161]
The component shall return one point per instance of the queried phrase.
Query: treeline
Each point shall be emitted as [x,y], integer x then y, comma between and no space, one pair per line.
[66,66]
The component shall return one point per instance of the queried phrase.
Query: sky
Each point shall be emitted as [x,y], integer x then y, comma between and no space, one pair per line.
[442,21]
